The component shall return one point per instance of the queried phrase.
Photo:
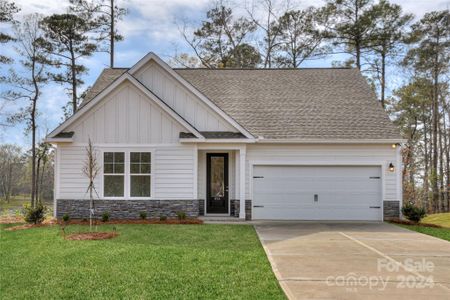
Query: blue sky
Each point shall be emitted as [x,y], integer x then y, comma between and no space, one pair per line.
[151,25]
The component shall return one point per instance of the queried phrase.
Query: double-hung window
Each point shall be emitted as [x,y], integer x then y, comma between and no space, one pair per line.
[127,174]
[113,174]
[140,174]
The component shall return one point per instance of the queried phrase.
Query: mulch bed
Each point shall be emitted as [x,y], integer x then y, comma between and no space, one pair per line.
[47,222]
[407,222]
[11,219]
[133,221]
[91,236]
[52,221]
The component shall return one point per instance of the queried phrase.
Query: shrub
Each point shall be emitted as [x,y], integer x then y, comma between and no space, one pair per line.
[181,215]
[413,213]
[105,216]
[143,215]
[35,215]
[66,217]
[162,217]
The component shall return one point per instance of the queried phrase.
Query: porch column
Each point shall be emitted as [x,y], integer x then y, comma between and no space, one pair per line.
[242,157]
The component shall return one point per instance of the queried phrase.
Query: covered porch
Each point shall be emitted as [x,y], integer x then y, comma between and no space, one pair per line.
[221,183]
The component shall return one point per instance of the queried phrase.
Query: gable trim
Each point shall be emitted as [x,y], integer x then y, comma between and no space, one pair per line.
[191,88]
[124,77]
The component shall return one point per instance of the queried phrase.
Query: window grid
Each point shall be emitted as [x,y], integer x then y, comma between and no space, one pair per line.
[113,169]
[140,174]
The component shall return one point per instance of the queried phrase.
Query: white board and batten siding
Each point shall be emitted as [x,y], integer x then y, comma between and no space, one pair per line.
[179,98]
[126,120]
[126,116]
[324,163]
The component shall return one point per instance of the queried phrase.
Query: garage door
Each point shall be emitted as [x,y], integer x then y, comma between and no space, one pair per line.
[317,193]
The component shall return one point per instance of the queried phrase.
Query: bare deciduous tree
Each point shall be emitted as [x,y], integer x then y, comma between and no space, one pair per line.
[91,169]
[25,83]
[11,169]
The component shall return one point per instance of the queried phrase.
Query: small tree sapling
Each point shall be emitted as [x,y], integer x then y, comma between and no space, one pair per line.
[90,170]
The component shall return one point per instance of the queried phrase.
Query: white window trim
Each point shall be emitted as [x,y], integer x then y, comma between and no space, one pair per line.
[140,174]
[127,174]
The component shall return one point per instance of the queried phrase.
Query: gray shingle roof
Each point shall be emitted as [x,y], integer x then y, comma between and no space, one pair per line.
[296,103]
[106,77]
[328,103]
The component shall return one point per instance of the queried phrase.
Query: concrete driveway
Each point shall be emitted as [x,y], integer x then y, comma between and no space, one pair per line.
[356,261]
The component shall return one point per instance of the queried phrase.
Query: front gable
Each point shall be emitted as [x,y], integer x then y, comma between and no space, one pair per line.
[158,82]
[126,115]
[180,99]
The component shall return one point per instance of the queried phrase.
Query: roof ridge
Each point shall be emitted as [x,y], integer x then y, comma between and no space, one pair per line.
[268,69]
[250,69]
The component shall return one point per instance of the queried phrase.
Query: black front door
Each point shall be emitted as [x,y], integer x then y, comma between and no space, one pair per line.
[217,183]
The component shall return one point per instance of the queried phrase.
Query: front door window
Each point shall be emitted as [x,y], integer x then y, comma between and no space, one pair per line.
[217,177]
[217,183]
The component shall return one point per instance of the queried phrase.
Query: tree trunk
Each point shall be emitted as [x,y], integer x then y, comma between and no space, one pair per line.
[383,76]
[9,182]
[33,136]
[447,139]
[91,204]
[357,38]
[358,54]
[74,79]
[38,166]
[434,122]
[111,49]
[445,155]
[441,170]
[426,166]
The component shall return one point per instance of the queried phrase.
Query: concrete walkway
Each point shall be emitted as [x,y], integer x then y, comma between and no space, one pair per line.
[356,261]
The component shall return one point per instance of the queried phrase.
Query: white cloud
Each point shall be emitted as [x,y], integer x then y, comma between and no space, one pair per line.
[46,7]
[421,7]
[156,19]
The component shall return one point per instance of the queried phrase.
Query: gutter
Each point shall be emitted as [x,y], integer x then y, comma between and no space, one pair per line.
[261,140]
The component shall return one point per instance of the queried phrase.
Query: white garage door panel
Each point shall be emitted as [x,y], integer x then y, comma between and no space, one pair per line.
[344,192]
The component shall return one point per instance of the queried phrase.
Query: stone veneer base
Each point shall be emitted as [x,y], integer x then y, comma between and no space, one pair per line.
[127,209]
[131,209]
[391,210]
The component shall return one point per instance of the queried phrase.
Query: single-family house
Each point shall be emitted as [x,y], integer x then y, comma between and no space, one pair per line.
[283,144]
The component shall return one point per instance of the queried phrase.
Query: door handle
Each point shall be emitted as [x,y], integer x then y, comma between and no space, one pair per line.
[258,205]
[316,198]
[374,206]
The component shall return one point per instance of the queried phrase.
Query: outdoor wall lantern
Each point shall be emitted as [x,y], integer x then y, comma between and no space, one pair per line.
[391,167]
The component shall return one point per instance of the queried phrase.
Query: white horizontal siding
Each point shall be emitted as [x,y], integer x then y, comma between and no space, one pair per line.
[327,154]
[127,116]
[72,183]
[172,171]
[184,102]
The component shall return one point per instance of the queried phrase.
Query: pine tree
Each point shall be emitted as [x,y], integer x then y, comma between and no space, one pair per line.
[67,42]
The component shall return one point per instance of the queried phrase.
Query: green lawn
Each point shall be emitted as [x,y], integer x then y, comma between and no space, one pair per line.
[442,233]
[438,219]
[144,262]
